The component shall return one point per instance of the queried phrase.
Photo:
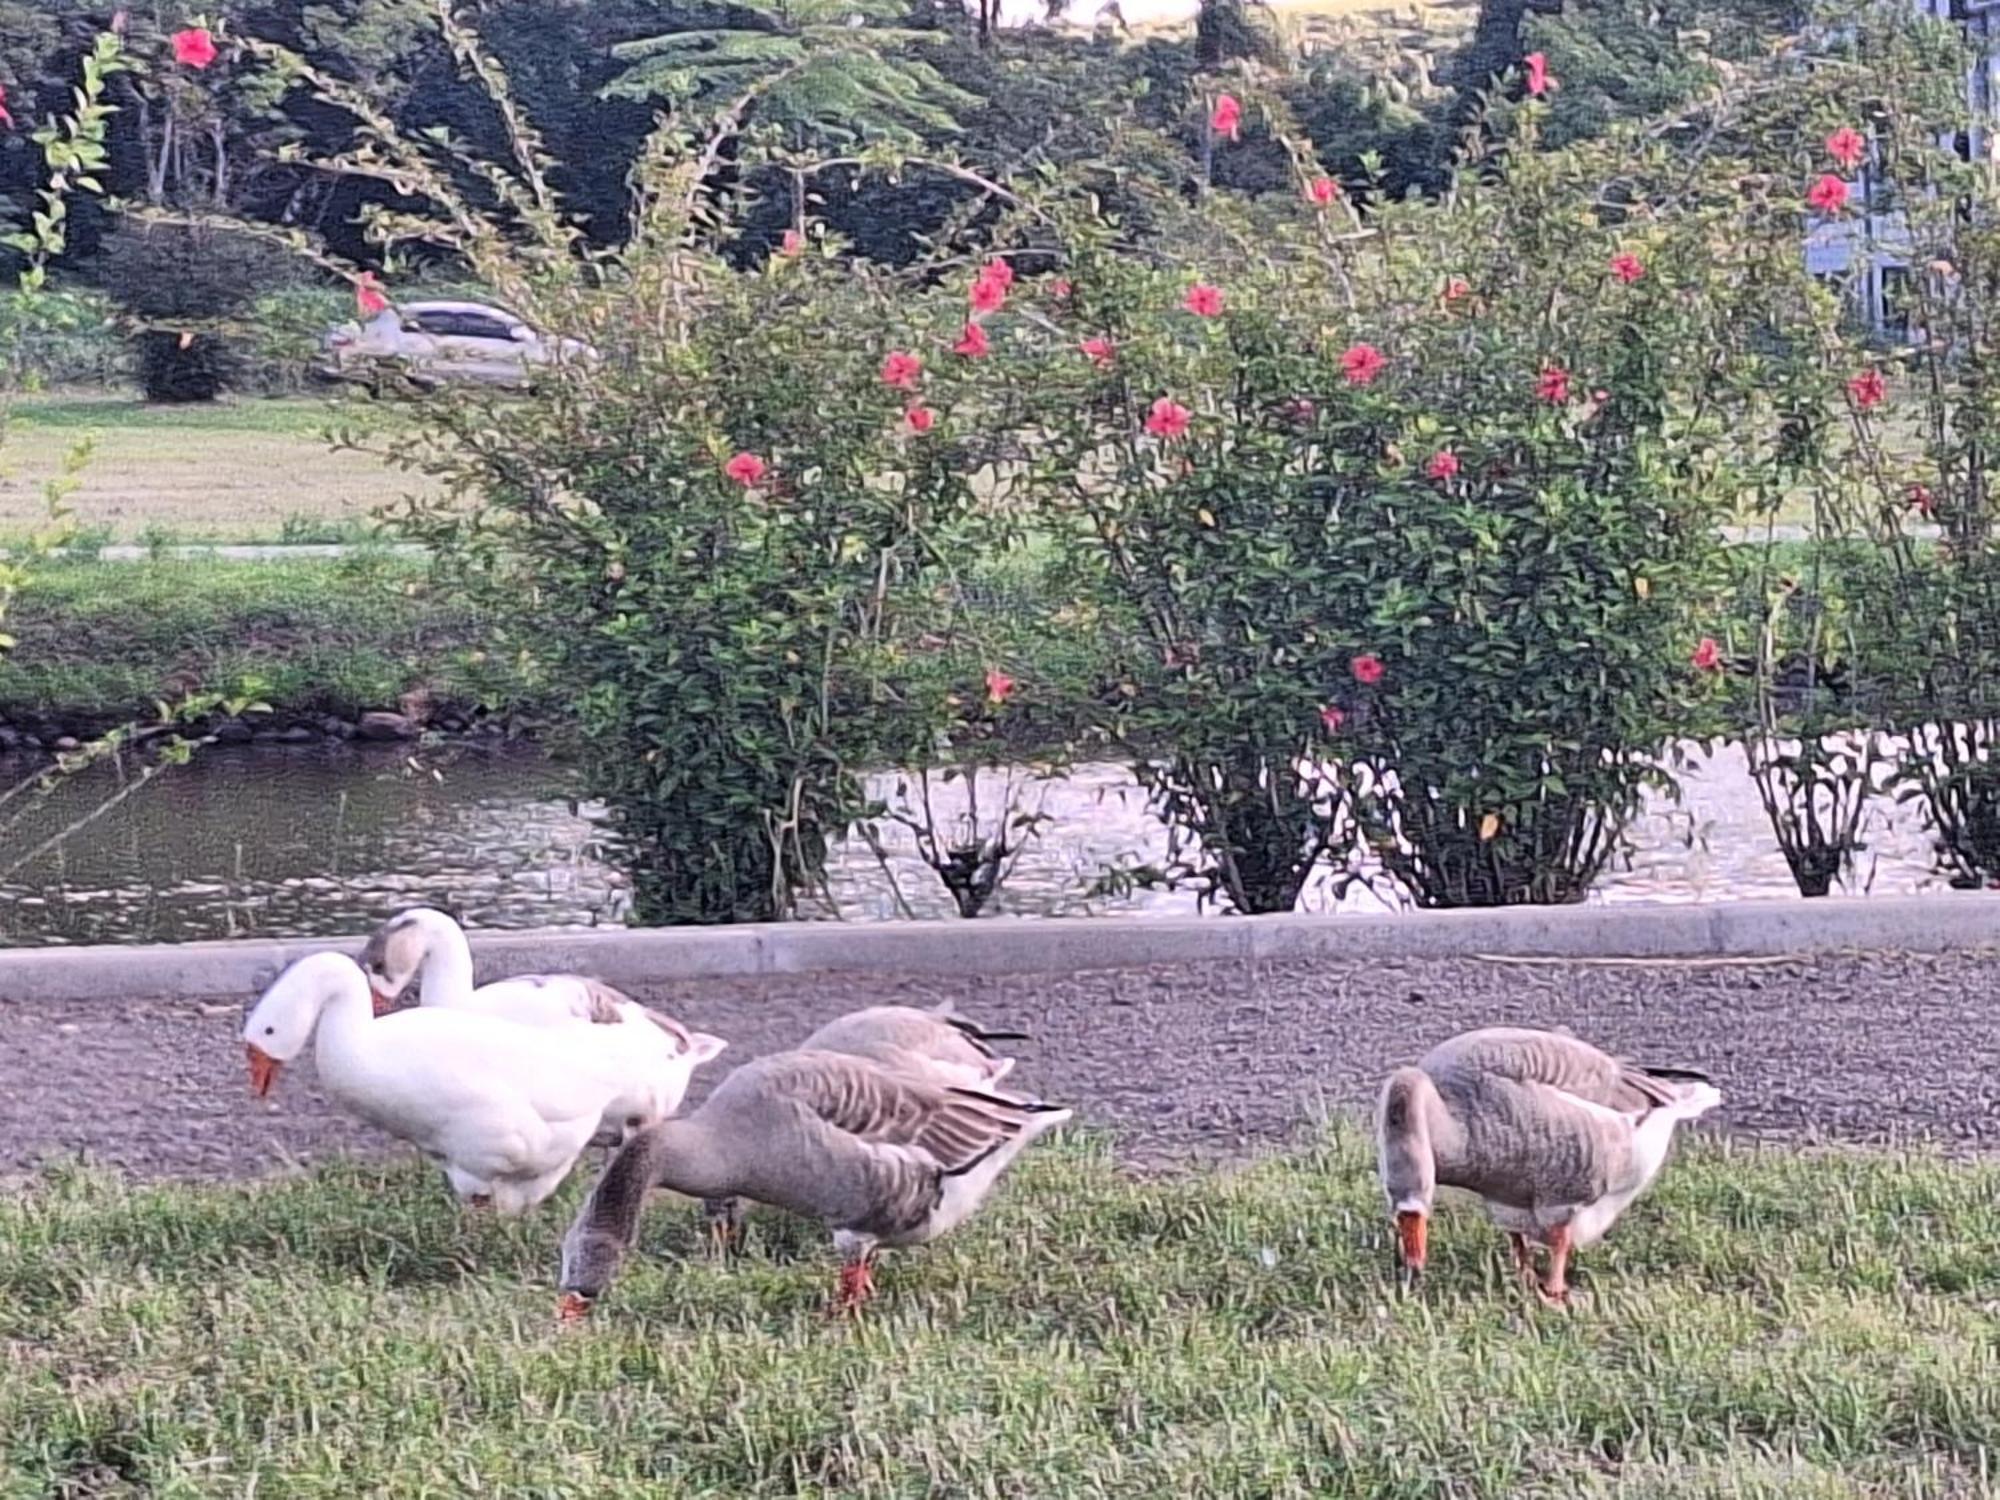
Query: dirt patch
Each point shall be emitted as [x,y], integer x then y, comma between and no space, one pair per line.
[1195,1060]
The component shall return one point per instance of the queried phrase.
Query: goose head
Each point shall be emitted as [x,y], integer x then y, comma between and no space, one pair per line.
[396,952]
[1408,1163]
[590,1257]
[282,1021]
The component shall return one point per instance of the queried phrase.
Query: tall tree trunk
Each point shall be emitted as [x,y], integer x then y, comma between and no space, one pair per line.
[1495,47]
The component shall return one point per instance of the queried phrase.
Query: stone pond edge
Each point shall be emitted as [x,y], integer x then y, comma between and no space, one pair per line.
[1937,922]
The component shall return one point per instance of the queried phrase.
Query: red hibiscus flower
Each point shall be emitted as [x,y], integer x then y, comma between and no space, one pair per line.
[368,298]
[1921,500]
[972,342]
[193,47]
[901,370]
[1868,388]
[1552,385]
[1707,656]
[1539,82]
[1443,465]
[793,243]
[1362,363]
[745,468]
[1098,351]
[988,293]
[1367,668]
[999,686]
[1227,118]
[1628,268]
[1060,289]
[1847,146]
[1828,195]
[1322,190]
[920,418]
[1203,300]
[1332,717]
[998,269]
[1168,419]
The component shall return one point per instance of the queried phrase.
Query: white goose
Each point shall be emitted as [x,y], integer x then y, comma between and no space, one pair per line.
[657,1055]
[505,1108]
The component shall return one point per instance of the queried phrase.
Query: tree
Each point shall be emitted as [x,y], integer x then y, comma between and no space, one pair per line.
[820,71]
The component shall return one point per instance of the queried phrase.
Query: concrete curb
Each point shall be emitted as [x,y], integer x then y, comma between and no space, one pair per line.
[1925,924]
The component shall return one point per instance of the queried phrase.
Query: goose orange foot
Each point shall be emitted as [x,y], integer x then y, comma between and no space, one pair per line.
[1554,1289]
[857,1286]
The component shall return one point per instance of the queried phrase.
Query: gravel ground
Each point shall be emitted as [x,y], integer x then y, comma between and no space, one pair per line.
[1193,1060]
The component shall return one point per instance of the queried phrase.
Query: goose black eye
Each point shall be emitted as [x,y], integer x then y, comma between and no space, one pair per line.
[268,1030]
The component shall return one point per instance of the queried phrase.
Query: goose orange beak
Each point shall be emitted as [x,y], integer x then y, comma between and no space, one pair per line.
[384,1003]
[573,1308]
[263,1069]
[1411,1228]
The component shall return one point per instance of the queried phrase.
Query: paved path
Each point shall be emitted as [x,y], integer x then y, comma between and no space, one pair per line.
[1193,1060]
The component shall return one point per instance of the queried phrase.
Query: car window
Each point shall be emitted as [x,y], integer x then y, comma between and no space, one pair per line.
[450,323]
[481,326]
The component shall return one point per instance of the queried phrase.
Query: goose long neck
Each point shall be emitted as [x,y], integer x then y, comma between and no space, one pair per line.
[674,1154]
[1419,1140]
[346,1014]
[446,975]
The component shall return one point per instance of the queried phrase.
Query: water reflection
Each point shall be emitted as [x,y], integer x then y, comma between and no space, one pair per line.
[330,839]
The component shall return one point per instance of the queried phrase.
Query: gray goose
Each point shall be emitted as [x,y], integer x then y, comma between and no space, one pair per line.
[936,1044]
[1557,1137]
[881,1158]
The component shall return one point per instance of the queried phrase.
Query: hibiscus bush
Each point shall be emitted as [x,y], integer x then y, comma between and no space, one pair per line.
[715,534]
[1419,508]
[1873,662]
[1915,407]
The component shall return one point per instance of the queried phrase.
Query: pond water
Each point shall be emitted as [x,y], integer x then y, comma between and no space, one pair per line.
[326,839]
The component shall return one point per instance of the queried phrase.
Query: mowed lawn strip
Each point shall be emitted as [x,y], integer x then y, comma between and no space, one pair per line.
[239,471]
[1769,1322]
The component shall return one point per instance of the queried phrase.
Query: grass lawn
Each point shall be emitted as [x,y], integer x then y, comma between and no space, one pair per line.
[1769,1323]
[105,641]
[241,471]
[99,643]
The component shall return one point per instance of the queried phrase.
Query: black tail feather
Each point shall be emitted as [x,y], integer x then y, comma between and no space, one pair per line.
[1001,1100]
[966,1166]
[979,1033]
[1677,1075]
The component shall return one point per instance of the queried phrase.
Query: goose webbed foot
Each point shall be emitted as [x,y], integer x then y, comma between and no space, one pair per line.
[857,1284]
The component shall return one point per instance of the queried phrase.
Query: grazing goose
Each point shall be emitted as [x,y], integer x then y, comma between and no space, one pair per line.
[883,1158]
[655,1053]
[505,1108]
[935,1044]
[1556,1136]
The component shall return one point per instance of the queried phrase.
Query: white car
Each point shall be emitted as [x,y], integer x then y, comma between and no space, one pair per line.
[435,342]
